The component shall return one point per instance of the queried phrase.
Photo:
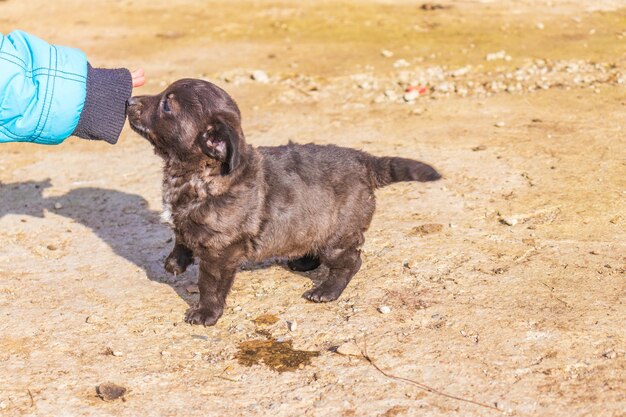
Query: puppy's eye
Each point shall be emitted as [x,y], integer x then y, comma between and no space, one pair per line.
[166,106]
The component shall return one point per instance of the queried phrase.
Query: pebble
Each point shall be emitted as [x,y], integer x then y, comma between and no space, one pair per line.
[401,63]
[411,96]
[58,206]
[51,247]
[384,309]
[349,349]
[293,325]
[609,354]
[93,319]
[386,53]
[495,56]
[509,221]
[500,124]
[110,391]
[260,76]
[117,353]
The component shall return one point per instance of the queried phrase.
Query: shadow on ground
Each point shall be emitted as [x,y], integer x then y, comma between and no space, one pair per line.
[122,220]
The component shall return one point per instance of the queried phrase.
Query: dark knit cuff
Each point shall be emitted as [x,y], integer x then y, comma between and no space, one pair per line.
[104,112]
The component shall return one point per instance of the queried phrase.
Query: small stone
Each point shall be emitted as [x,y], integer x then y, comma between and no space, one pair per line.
[417,111]
[51,247]
[509,221]
[260,76]
[411,96]
[117,353]
[384,309]
[540,26]
[386,53]
[165,353]
[58,206]
[494,56]
[401,63]
[500,124]
[192,289]
[93,319]
[349,349]
[609,354]
[293,325]
[110,391]
[479,148]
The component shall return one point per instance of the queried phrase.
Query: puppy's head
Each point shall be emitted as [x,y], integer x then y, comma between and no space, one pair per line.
[190,121]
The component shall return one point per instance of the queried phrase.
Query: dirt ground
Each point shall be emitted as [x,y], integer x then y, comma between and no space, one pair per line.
[513,296]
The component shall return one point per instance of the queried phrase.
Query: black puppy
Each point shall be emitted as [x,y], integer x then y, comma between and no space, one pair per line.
[228,202]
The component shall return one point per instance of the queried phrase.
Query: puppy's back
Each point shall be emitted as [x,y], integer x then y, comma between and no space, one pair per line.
[312,192]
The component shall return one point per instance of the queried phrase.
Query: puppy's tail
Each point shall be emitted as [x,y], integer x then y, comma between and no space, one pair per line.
[387,170]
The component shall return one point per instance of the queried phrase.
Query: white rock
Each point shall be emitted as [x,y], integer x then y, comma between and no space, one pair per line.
[461,71]
[58,206]
[401,63]
[260,76]
[509,221]
[500,124]
[293,325]
[410,96]
[495,56]
[386,53]
[384,309]
[117,353]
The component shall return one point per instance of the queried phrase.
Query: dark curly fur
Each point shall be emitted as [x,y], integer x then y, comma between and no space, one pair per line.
[228,202]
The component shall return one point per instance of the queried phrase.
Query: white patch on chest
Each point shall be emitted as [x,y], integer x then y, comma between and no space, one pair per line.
[166,214]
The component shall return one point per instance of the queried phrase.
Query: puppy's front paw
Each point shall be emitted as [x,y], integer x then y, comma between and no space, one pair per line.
[176,263]
[322,294]
[203,315]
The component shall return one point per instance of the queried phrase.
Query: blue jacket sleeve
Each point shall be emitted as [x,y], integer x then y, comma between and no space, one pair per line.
[43,89]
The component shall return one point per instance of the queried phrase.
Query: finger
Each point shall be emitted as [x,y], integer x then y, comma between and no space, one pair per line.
[137,73]
[138,82]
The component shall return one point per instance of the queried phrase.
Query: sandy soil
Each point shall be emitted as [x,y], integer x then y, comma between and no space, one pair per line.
[525,318]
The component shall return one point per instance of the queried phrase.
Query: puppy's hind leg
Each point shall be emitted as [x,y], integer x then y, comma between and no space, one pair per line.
[304,264]
[179,259]
[343,264]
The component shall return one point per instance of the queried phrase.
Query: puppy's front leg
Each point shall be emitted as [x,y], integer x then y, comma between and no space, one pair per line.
[214,282]
[179,259]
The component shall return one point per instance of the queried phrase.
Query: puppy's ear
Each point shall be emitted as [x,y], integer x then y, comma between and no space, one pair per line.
[221,140]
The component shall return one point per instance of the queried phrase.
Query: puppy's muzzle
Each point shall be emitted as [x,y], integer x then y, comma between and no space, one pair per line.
[133,111]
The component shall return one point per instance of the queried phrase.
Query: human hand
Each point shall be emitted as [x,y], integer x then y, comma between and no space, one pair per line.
[138,78]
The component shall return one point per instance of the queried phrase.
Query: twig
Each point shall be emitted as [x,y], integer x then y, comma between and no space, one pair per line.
[421,385]
[221,376]
[32,400]
[525,255]
[554,296]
